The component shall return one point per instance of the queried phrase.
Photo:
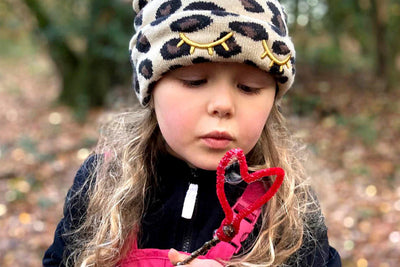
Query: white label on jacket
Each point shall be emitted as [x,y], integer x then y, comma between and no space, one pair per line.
[190,201]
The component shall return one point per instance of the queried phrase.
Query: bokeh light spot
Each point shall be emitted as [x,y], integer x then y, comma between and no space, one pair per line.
[38,226]
[362,262]
[385,207]
[348,245]
[23,186]
[10,196]
[24,218]
[3,209]
[55,118]
[348,222]
[371,190]
[82,153]
[394,237]
[302,20]
[397,205]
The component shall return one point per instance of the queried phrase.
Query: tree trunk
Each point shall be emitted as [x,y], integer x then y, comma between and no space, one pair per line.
[85,78]
[380,20]
[64,58]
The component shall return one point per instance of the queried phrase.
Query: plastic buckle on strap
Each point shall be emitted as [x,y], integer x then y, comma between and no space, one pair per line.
[246,225]
[240,205]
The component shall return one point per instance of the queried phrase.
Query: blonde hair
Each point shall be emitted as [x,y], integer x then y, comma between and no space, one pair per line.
[116,198]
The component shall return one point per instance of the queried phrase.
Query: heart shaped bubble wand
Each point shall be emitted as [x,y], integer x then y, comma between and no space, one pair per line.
[231,223]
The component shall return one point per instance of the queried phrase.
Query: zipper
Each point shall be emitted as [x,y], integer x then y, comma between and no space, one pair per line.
[187,236]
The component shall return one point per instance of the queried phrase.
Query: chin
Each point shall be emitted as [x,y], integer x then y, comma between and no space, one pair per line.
[209,167]
[209,164]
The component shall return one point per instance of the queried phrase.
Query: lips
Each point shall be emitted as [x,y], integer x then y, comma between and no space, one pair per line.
[217,140]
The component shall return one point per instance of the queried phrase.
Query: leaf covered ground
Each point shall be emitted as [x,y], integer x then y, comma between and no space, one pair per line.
[350,125]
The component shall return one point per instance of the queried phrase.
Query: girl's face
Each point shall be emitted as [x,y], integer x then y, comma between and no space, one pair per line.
[206,109]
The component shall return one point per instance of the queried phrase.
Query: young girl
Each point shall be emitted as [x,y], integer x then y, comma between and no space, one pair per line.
[209,76]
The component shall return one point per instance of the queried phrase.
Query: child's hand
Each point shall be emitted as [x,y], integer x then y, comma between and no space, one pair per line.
[175,257]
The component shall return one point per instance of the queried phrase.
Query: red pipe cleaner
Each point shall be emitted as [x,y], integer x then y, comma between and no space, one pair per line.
[230,225]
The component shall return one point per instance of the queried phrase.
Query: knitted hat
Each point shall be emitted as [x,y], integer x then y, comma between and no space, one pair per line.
[175,33]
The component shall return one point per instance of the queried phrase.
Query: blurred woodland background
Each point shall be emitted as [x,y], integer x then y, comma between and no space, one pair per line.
[64,66]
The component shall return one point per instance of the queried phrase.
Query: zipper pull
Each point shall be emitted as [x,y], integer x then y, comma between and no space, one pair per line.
[190,201]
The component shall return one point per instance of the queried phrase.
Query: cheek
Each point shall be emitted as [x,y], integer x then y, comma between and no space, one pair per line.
[253,127]
[173,112]
[168,121]
[256,125]
[173,121]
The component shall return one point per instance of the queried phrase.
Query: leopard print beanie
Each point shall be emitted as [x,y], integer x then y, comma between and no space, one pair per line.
[175,33]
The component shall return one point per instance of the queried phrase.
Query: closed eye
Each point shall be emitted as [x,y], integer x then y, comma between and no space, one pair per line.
[194,83]
[248,90]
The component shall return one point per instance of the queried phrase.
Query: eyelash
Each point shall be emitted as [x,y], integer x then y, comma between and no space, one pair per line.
[245,89]
[249,90]
[194,83]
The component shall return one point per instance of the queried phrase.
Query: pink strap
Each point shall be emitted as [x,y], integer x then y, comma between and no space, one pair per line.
[231,224]
[225,250]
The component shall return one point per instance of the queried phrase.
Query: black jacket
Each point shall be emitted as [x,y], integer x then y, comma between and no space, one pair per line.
[162,224]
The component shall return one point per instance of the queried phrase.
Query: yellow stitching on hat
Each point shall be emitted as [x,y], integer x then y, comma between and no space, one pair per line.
[273,58]
[209,46]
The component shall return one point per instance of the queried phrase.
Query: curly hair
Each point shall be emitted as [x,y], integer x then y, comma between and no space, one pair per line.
[130,144]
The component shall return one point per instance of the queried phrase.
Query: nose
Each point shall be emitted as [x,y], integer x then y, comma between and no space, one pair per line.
[222,102]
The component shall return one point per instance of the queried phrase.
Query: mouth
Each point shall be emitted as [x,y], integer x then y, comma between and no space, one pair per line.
[217,140]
